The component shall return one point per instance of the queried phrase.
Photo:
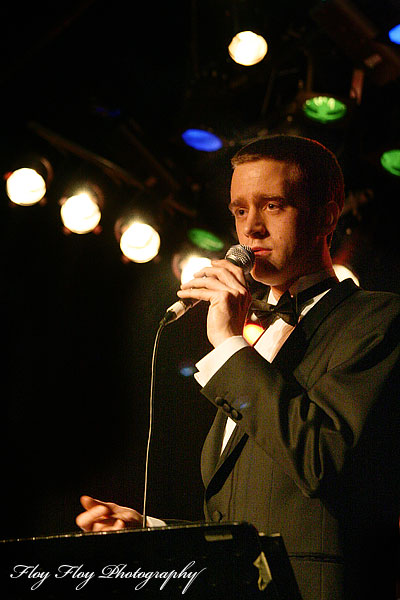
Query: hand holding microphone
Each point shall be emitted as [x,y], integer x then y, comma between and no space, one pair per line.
[222,285]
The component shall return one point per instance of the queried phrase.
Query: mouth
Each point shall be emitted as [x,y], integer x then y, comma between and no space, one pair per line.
[259,251]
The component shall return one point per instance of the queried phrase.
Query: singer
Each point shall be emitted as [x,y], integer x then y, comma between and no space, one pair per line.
[306,439]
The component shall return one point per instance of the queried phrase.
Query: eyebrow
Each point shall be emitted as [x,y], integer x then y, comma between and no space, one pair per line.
[240,201]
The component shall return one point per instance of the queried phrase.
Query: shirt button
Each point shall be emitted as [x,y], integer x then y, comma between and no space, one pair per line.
[235,414]
[226,407]
[219,401]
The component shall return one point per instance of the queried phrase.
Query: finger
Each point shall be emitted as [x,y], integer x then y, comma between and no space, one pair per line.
[108,525]
[213,290]
[129,515]
[86,520]
[100,526]
[199,294]
[227,264]
[215,277]
[216,267]
[208,283]
[226,298]
[236,270]
[125,517]
[227,269]
[88,502]
[118,524]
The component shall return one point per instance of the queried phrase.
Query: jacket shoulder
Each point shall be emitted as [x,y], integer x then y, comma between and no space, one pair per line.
[379,305]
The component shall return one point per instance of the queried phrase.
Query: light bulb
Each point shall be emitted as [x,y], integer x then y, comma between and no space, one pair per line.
[247,48]
[80,213]
[140,242]
[25,187]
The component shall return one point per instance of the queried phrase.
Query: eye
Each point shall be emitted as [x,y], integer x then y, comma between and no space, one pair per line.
[272,206]
[239,212]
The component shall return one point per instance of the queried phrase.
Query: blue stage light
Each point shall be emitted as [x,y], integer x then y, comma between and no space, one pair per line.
[199,139]
[187,369]
[394,34]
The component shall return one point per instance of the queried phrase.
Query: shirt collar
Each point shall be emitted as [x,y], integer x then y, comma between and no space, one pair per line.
[304,283]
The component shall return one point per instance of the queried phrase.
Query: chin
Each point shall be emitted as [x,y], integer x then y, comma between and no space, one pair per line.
[264,276]
[269,275]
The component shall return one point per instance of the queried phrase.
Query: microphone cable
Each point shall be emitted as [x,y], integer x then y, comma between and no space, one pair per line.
[151,412]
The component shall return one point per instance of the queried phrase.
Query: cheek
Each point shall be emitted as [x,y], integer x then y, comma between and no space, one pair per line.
[287,236]
[240,234]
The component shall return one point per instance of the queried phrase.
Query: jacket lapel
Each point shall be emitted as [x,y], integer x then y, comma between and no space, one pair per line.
[293,350]
[212,459]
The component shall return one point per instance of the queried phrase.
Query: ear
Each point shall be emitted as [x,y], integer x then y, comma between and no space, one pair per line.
[329,217]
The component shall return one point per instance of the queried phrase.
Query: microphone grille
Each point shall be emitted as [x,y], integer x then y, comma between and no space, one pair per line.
[242,256]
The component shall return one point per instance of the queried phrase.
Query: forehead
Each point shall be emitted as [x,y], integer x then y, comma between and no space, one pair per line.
[263,177]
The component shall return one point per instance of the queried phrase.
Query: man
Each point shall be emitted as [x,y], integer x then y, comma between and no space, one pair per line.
[306,437]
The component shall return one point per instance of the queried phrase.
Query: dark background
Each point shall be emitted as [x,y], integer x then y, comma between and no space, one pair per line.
[123,80]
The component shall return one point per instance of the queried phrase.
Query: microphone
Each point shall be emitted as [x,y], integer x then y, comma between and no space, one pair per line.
[240,255]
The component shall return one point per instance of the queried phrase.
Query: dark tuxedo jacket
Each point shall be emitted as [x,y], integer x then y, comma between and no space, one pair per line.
[315,455]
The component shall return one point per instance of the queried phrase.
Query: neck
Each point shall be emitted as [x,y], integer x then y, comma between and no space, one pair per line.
[315,270]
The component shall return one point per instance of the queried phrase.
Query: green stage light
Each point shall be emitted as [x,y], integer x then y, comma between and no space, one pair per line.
[324,109]
[205,239]
[390,161]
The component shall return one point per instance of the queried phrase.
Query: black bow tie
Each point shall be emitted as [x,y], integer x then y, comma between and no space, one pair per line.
[288,307]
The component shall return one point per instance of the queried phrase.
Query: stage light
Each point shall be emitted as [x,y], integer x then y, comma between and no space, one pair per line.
[28,184]
[390,161]
[81,213]
[191,265]
[251,333]
[342,272]
[324,109]
[25,187]
[187,369]
[137,228]
[200,139]
[139,242]
[197,251]
[394,34]
[206,240]
[247,48]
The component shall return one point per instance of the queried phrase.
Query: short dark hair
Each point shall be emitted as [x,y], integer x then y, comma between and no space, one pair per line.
[321,175]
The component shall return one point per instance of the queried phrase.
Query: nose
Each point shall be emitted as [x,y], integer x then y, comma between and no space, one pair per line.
[255,226]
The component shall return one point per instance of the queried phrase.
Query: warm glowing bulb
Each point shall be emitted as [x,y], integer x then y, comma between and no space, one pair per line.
[80,213]
[247,48]
[25,187]
[251,333]
[191,265]
[140,242]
